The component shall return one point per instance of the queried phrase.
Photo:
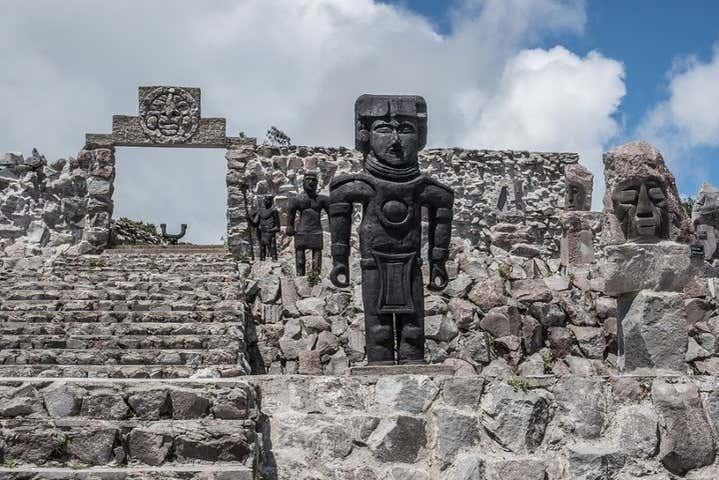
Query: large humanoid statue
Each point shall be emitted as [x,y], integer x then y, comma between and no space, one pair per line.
[390,130]
[309,231]
[266,220]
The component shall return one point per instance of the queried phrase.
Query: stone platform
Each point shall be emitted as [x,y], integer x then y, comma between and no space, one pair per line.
[360,428]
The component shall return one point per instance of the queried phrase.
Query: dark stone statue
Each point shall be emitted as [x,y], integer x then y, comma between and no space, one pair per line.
[640,204]
[308,235]
[172,239]
[389,131]
[266,220]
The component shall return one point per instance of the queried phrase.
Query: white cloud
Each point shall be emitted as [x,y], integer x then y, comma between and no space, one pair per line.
[298,64]
[688,118]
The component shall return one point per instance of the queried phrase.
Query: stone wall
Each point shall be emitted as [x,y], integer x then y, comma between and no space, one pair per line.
[62,204]
[389,427]
[502,197]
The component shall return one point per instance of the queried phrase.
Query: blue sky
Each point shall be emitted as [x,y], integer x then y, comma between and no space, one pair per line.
[650,38]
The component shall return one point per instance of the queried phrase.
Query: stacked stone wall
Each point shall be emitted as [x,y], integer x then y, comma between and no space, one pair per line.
[63,204]
[501,197]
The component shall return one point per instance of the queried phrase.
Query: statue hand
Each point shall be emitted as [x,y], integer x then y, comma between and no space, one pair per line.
[438,278]
[340,275]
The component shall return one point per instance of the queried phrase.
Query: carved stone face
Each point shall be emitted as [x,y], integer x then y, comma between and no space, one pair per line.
[642,209]
[395,142]
[267,201]
[576,198]
[309,183]
[170,113]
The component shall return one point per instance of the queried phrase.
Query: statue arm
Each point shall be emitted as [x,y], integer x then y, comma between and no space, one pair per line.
[276,218]
[291,214]
[439,202]
[343,193]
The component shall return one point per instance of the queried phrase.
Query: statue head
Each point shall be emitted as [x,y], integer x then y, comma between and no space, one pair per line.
[309,183]
[264,202]
[641,206]
[705,210]
[390,130]
[578,196]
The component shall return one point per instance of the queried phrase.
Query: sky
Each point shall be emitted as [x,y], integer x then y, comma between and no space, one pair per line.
[552,75]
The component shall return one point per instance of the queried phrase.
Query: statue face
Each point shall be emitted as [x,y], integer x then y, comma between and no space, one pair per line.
[309,183]
[576,198]
[267,201]
[170,113]
[641,207]
[395,142]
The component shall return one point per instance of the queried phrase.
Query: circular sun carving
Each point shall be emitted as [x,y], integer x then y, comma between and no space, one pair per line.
[169,115]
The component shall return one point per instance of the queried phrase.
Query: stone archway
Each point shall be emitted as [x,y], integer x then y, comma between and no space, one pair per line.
[168,116]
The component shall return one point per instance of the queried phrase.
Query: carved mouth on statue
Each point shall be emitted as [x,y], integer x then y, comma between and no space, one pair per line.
[646,226]
[169,127]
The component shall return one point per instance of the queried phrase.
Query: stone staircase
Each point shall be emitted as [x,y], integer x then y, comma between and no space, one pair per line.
[131,313]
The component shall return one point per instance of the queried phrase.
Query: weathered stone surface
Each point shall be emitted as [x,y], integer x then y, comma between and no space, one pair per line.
[582,405]
[686,438]
[588,462]
[463,392]
[150,404]
[663,266]
[514,418]
[523,468]
[502,321]
[63,401]
[638,436]
[398,439]
[456,432]
[406,393]
[655,331]
[149,445]
[187,404]
[92,445]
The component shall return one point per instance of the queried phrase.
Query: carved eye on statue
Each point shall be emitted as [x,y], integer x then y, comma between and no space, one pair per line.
[628,197]
[657,196]
[407,129]
[383,128]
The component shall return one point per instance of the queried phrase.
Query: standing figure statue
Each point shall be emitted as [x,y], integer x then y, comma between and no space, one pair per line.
[308,235]
[389,131]
[266,221]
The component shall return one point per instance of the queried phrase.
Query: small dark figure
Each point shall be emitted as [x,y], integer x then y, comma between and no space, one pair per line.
[309,231]
[390,130]
[266,221]
[173,239]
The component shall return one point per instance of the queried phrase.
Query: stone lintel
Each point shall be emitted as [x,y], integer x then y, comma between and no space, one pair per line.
[436,369]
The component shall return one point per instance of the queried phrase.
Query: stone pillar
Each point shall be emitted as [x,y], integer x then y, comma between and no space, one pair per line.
[100,166]
[237,180]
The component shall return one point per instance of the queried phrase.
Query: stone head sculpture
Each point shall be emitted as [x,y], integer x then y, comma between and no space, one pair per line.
[640,204]
[641,199]
[390,130]
[578,196]
[706,207]
[310,183]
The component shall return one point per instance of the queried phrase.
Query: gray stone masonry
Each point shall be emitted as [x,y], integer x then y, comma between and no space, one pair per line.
[363,428]
[502,197]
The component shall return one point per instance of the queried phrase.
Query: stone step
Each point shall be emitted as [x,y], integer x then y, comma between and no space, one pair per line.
[73,356]
[151,371]
[164,294]
[179,472]
[139,276]
[142,341]
[77,441]
[120,330]
[126,316]
[119,305]
[181,284]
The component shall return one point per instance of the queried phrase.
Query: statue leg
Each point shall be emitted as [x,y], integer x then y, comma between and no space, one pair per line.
[273,247]
[317,260]
[263,250]
[379,328]
[300,261]
[410,326]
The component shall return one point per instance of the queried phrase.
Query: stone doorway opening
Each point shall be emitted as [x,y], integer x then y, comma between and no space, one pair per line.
[174,186]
